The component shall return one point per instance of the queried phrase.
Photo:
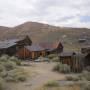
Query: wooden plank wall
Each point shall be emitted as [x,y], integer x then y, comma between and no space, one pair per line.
[73,62]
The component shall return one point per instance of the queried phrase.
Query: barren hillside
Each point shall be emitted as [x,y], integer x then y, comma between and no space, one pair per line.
[39,32]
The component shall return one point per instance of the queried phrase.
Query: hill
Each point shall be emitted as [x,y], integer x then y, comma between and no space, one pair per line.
[44,32]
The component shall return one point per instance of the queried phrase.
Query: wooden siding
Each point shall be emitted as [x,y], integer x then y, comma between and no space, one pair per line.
[74,64]
[24,54]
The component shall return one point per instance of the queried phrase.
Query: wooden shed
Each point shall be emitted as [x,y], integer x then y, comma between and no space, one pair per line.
[31,52]
[70,59]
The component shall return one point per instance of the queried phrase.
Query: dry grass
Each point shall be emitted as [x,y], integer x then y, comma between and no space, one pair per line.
[74,87]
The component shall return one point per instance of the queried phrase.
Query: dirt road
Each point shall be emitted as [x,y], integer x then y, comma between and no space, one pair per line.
[43,74]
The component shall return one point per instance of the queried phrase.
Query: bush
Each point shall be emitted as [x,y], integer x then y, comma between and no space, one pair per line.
[55,59]
[52,84]
[15,75]
[56,67]
[2,84]
[9,65]
[85,86]
[63,68]
[72,78]
[51,56]
[9,70]
[1,68]
[21,78]
[16,60]
[85,75]
[4,58]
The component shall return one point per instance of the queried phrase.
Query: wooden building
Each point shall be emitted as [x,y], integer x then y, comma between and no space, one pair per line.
[50,47]
[31,52]
[86,53]
[21,42]
[11,46]
[7,48]
[70,59]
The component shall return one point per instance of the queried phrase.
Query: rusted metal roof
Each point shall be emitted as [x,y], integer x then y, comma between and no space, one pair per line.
[49,45]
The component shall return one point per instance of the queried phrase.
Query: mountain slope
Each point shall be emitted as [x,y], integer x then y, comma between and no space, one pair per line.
[44,32]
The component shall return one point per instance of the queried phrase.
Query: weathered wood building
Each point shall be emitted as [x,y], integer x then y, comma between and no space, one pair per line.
[31,52]
[70,58]
[7,48]
[11,46]
[23,48]
[86,53]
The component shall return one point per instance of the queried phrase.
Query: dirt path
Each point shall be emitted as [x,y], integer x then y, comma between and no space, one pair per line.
[44,74]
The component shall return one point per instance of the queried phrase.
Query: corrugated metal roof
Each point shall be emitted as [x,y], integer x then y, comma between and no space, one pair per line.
[10,42]
[34,47]
[4,45]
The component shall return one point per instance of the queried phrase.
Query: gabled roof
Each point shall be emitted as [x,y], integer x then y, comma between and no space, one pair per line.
[15,40]
[10,42]
[34,47]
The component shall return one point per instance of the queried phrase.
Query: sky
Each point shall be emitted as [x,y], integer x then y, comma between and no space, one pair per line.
[64,13]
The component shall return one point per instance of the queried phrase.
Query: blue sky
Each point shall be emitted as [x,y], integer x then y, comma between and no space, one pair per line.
[85,19]
[64,13]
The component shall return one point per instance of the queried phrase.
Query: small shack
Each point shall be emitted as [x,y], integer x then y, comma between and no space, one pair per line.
[31,52]
[70,59]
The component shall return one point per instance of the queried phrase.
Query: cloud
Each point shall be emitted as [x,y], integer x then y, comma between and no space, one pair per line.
[66,13]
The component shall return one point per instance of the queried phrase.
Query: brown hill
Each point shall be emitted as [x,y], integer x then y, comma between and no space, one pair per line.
[44,32]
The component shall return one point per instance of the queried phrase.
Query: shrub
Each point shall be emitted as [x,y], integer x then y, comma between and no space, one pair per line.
[55,59]
[15,75]
[1,68]
[9,65]
[52,84]
[51,56]
[20,78]
[63,68]
[16,60]
[72,78]
[4,58]
[3,74]
[86,75]
[2,84]
[13,58]
[56,67]
[85,86]
[9,70]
